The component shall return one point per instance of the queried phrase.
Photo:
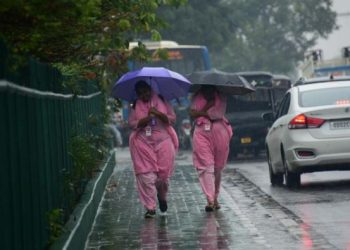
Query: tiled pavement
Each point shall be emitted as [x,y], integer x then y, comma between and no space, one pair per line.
[247,220]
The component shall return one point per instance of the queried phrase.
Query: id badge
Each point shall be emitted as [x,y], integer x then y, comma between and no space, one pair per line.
[148,130]
[207,127]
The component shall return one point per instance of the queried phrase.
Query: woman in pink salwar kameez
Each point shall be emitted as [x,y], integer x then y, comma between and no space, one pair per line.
[153,144]
[211,139]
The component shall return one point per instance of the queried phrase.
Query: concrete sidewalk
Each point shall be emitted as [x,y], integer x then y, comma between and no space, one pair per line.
[247,220]
[120,223]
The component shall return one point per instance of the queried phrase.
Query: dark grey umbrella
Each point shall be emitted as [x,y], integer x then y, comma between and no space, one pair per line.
[226,82]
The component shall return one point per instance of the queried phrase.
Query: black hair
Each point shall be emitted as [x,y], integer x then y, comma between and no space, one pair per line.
[142,84]
[208,91]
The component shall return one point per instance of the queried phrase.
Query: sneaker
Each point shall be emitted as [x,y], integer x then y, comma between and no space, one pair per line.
[150,214]
[163,205]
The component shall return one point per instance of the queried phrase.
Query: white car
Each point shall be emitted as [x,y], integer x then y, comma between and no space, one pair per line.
[310,132]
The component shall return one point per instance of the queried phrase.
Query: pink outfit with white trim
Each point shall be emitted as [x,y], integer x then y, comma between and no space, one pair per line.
[211,139]
[153,155]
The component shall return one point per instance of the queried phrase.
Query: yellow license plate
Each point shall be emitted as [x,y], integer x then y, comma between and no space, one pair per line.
[246,140]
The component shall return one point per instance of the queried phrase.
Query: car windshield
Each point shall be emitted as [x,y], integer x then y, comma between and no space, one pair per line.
[323,97]
[258,80]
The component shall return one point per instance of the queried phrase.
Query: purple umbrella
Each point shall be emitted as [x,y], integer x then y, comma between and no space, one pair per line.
[169,84]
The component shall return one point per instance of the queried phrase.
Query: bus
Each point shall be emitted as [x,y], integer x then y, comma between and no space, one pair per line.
[184,59]
[245,112]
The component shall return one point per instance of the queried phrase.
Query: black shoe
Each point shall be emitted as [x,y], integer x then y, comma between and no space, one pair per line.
[163,205]
[150,214]
[209,208]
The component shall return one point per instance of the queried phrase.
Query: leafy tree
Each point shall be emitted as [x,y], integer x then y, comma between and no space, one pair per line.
[83,38]
[51,31]
[251,34]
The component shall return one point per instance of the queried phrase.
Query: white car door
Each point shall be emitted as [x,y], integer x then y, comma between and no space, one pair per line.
[274,136]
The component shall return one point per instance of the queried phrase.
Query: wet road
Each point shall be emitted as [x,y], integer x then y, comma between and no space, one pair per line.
[322,202]
[253,215]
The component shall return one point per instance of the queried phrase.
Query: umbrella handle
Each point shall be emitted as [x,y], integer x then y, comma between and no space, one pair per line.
[150,82]
[151,102]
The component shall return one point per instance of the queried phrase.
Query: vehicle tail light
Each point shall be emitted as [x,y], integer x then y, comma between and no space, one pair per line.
[305,153]
[303,121]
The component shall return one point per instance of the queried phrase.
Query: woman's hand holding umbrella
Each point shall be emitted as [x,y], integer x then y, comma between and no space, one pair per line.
[144,121]
[195,113]
[154,112]
[208,105]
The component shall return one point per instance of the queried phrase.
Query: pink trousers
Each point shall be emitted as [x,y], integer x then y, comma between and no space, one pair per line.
[210,180]
[149,185]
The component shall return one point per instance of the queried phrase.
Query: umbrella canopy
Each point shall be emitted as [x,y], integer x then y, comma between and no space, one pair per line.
[169,84]
[228,83]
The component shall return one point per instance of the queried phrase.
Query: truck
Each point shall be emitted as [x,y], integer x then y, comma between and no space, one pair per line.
[245,112]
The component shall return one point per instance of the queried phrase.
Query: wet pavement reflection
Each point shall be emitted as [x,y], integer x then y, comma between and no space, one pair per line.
[307,240]
[154,234]
[120,223]
[247,220]
[210,237]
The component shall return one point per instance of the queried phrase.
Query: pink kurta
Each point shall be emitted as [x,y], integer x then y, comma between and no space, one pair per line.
[211,138]
[154,153]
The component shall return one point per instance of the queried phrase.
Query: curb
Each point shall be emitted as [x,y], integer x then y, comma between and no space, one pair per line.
[80,222]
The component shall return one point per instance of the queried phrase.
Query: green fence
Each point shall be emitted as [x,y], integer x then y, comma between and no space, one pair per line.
[37,120]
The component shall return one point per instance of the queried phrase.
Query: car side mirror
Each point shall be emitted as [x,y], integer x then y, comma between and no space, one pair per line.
[269,116]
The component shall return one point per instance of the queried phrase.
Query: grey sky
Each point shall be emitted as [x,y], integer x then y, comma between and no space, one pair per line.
[340,38]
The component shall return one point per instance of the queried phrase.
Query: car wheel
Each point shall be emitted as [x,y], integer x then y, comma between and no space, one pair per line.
[292,179]
[275,179]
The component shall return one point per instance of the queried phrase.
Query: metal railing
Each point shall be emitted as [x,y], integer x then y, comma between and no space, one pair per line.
[37,121]
[308,68]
